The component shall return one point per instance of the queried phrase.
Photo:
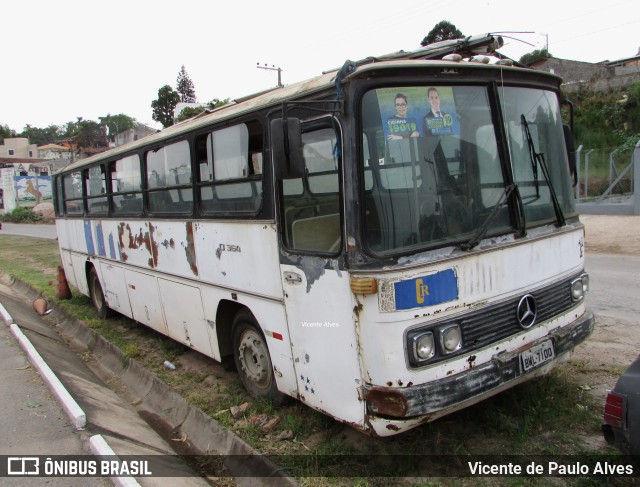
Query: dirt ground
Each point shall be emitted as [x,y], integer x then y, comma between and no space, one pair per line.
[612,234]
[615,342]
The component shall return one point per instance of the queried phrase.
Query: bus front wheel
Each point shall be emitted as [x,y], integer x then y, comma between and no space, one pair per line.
[252,359]
[97,295]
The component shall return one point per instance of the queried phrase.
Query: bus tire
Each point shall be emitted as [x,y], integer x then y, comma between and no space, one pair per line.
[252,359]
[97,295]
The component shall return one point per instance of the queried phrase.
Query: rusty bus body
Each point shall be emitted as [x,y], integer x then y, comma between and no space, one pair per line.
[387,243]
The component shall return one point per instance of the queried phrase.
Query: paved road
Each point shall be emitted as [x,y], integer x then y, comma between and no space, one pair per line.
[33,423]
[29,230]
[615,286]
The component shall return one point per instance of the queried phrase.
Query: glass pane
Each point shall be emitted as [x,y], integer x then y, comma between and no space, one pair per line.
[534,126]
[312,207]
[433,175]
[125,175]
[169,166]
[230,153]
[73,185]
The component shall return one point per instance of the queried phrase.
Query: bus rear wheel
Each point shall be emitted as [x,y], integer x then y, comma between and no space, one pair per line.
[97,295]
[252,359]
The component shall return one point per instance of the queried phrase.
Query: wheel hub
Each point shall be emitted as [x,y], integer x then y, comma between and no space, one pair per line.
[253,357]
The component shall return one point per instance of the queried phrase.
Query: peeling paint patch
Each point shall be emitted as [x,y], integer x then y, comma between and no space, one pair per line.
[167,244]
[190,249]
[101,248]
[313,268]
[88,238]
[152,245]
[112,247]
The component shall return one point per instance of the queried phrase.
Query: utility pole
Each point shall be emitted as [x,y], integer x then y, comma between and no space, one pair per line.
[273,68]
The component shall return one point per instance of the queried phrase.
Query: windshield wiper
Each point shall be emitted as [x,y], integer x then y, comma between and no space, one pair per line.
[538,159]
[475,240]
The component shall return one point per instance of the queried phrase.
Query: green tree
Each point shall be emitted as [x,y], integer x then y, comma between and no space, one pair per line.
[117,124]
[190,112]
[533,56]
[185,87]
[443,30]
[164,105]
[40,136]
[86,133]
[6,133]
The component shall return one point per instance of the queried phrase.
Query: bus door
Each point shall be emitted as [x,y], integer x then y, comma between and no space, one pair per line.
[316,291]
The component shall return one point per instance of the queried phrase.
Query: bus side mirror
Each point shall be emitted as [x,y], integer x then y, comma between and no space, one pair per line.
[570,144]
[286,148]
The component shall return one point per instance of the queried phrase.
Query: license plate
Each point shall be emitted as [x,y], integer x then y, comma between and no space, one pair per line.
[537,355]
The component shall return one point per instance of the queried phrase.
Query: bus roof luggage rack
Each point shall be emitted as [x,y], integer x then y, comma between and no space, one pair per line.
[468,46]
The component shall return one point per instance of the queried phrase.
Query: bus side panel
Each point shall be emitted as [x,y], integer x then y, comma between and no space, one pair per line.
[145,300]
[182,305]
[324,339]
[272,319]
[67,263]
[239,255]
[114,286]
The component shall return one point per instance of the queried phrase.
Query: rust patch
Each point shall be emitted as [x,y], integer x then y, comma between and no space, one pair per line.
[400,382]
[409,384]
[168,244]
[356,310]
[121,228]
[152,245]
[190,249]
[471,360]
[151,262]
[393,427]
[125,257]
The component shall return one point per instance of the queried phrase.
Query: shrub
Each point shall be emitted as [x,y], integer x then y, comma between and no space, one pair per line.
[21,215]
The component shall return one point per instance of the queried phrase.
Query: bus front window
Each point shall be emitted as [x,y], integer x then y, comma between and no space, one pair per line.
[534,126]
[431,170]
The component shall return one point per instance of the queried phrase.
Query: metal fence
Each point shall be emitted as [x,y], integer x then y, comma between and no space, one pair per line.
[608,176]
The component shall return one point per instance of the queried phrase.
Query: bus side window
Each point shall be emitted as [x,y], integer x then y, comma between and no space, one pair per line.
[73,203]
[126,185]
[96,190]
[230,169]
[311,207]
[169,179]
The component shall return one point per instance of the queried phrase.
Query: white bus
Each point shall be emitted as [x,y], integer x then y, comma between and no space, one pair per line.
[387,243]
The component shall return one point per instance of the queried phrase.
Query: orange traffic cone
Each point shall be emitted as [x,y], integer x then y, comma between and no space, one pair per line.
[63,286]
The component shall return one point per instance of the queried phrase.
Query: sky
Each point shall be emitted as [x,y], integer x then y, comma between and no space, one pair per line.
[64,59]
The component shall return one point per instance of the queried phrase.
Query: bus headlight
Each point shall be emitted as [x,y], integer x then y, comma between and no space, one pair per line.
[585,282]
[423,346]
[450,338]
[579,287]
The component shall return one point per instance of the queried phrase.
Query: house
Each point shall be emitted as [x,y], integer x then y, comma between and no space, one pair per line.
[138,132]
[17,152]
[601,76]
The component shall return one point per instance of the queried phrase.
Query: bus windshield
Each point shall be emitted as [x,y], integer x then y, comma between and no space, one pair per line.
[432,171]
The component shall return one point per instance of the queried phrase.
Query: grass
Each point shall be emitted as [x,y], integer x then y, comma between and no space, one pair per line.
[548,416]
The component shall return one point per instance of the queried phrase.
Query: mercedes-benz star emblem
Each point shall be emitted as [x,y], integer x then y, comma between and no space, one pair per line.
[527,311]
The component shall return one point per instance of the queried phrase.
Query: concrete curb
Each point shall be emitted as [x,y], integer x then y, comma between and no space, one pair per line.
[74,411]
[76,414]
[205,434]
[101,448]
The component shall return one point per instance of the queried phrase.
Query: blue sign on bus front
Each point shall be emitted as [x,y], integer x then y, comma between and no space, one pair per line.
[427,290]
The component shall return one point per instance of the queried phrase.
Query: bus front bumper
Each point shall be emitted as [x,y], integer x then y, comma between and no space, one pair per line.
[426,402]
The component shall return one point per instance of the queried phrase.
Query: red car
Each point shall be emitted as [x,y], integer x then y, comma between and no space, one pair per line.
[622,412]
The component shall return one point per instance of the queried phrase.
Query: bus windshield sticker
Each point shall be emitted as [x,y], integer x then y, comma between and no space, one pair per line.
[418,111]
[427,290]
